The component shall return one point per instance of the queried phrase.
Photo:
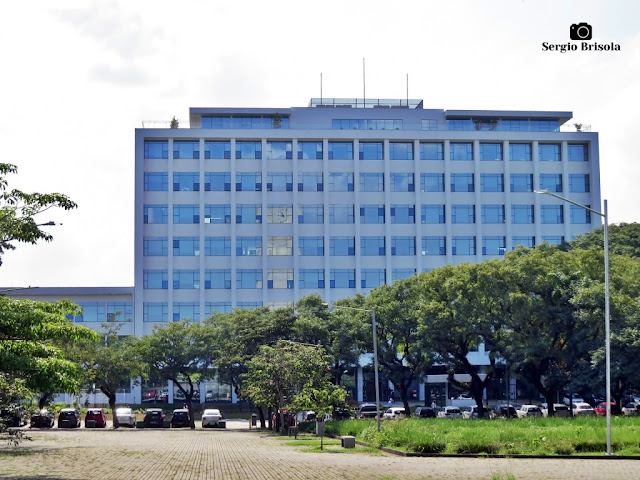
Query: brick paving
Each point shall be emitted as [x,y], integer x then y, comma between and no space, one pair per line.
[237,453]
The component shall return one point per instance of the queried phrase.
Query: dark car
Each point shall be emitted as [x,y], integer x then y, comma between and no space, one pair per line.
[153,418]
[180,418]
[424,412]
[96,415]
[367,410]
[42,419]
[505,411]
[341,414]
[69,418]
[13,417]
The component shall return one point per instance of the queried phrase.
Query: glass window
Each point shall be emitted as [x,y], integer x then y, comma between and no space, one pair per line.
[548,152]
[217,279]
[402,182]
[156,214]
[244,122]
[371,182]
[217,149]
[579,214]
[342,278]
[217,246]
[429,124]
[520,152]
[551,182]
[249,278]
[462,182]
[280,214]
[156,279]
[217,307]
[461,151]
[242,305]
[371,151]
[551,214]
[156,149]
[248,246]
[186,214]
[217,213]
[492,213]
[521,182]
[155,311]
[311,246]
[579,183]
[186,182]
[310,214]
[279,182]
[521,213]
[279,246]
[432,182]
[249,182]
[186,246]
[403,214]
[491,182]
[341,182]
[463,245]
[553,240]
[432,214]
[401,150]
[156,181]
[341,214]
[577,152]
[372,246]
[279,151]
[186,149]
[310,150]
[493,245]
[279,278]
[434,245]
[310,182]
[217,181]
[340,151]
[186,310]
[372,213]
[365,124]
[120,311]
[403,246]
[400,273]
[372,277]
[248,213]
[491,152]
[186,279]
[528,242]
[340,246]
[250,150]
[463,214]
[311,278]
[432,151]
[156,246]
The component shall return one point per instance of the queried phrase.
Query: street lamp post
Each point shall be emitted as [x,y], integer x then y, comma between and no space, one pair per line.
[607,329]
[375,350]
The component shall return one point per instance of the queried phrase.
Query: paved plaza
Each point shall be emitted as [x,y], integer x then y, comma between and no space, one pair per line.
[239,453]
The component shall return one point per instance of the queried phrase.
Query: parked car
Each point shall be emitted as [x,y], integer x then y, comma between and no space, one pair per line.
[464,396]
[163,396]
[341,413]
[69,418]
[529,411]
[631,408]
[559,410]
[126,417]
[582,409]
[211,417]
[97,415]
[13,417]
[150,395]
[178,395]
[424,412]
[450,412]
[395,412]
[601,408]
[366,410]
[574,398]
[505,411]
[180,418]
[42,419]
[472,412]
[153,418]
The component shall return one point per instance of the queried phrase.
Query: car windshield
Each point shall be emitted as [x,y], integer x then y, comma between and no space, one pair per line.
[123,411]
[212,412]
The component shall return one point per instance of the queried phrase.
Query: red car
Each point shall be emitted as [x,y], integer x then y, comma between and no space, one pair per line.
[98,416]
[601,408]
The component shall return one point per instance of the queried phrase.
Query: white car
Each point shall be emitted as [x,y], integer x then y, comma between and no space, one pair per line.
[575,398]
[450,412]
[126,417]
[395,412]
[559,410]
[211,417]
[529,411]
[582,408]
[632,408]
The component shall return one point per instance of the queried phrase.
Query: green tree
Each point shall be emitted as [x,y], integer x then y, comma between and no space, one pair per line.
[174,123]
[19,209]
[624,239]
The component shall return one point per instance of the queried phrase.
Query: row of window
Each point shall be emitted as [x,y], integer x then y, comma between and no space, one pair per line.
[104,311]
[314,246]
[368,214]
[369,182]
[344,150]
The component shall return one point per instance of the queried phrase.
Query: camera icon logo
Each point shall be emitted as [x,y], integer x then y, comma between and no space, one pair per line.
[580,31]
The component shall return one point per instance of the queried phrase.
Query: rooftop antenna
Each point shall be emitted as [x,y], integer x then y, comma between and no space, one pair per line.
[320,88]
[407,89]
[364,91]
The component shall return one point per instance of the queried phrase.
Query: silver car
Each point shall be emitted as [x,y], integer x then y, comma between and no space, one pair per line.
[450,412]
[126,417]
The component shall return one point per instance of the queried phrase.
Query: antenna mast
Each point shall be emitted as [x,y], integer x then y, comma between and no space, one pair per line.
[364,91]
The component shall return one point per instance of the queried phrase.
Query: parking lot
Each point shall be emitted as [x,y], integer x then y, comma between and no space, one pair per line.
[238,453]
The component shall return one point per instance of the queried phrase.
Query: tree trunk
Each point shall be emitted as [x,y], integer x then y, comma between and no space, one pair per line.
[111,396]
[44,399]
[263,425]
